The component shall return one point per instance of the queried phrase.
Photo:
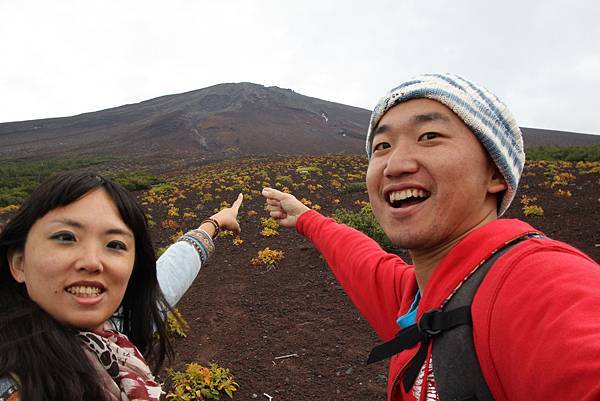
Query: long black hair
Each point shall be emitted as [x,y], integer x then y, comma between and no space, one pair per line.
[46,355]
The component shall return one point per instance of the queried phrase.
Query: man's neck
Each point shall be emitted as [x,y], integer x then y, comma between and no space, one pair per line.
[426,261]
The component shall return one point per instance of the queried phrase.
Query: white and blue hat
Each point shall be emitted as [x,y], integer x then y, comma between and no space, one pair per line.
[488,118]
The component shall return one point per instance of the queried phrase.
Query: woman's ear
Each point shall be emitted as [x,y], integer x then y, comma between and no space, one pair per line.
[15,261]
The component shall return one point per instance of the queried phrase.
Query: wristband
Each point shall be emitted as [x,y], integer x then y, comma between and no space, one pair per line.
[215,224]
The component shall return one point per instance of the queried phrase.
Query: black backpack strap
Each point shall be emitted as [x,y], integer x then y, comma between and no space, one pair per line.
[454,350]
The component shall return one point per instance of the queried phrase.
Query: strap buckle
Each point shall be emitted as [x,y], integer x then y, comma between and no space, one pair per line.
[427,325]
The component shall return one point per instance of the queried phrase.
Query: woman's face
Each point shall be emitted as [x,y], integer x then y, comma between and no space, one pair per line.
[77,261]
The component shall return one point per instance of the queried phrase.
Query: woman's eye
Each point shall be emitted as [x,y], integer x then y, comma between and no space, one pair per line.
[428,136]
[381,146]
[119,245]
[64,236]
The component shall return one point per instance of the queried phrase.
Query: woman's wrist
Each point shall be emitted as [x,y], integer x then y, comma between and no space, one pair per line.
[211,226]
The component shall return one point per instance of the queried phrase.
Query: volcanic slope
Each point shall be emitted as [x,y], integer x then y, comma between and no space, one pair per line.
[218,122]
[241,118]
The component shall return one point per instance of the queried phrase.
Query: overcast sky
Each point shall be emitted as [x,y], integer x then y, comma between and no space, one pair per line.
[60,58]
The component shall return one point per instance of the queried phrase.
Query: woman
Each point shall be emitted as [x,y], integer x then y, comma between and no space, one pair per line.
[76,252]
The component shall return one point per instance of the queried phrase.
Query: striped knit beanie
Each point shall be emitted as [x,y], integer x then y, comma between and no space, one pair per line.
[488,118]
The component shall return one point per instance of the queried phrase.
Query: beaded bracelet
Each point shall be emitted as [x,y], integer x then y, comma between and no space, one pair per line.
[201,241]
[215,224]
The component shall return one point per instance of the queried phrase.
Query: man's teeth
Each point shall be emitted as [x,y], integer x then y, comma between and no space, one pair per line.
[407,193]
[84,291]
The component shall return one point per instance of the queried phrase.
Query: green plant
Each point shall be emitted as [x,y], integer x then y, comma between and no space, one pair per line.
[267,257]
[161,188]
[572,153]
[308,170]
[284,180]
[269,223]
[176,324]
[268,232]
[200,383]
[18,178]
[365,222]
[533,210]
[356,187]
[135,180]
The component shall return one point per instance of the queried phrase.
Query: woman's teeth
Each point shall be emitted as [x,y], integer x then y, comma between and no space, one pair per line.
[84,291]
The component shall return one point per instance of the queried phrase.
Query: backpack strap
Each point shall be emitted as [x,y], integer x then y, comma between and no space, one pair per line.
[453,350]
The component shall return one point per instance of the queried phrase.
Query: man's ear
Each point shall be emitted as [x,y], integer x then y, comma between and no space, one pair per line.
[497,182]
[16,262]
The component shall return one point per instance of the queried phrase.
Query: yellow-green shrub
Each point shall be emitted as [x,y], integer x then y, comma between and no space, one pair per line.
[176,324]
[200,383]
[268,257]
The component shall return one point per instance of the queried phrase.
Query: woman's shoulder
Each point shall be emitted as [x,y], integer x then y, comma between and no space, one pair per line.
[8,389]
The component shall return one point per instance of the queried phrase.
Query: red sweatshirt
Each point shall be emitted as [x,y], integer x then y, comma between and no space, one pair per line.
[536,316]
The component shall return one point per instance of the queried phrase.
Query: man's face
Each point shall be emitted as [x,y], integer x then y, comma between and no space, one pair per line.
[429,179]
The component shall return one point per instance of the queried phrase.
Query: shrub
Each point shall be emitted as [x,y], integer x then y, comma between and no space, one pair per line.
[267,257]
[176,324]
[200,383]
[161,188]
[9,208]
[284,180]
[268,232]
[533,210]
[19,178]
[572,153]
[365,222]
[135,180]
[308,170]
[356,187]
[270,223]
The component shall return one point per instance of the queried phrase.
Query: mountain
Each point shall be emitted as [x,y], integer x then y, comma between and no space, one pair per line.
[244,117]
[218,121]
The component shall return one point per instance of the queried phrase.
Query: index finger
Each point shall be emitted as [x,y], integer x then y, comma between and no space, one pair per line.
[238,202]
[272,193]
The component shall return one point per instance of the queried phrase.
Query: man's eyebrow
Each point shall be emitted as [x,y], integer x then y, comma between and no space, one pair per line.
[381,129]
[425,118]
[416,119]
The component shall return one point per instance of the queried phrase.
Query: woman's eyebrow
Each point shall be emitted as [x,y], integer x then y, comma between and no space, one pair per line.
[76,224]
[119,231]
[68,222]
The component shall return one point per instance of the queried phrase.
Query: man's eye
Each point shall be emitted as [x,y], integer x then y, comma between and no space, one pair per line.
[428,136]
[64,236]
[117,245]
[381,146]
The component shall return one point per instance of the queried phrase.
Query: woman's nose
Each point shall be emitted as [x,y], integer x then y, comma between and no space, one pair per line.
[90,259]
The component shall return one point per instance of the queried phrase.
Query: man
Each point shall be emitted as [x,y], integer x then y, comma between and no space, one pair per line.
[445,158]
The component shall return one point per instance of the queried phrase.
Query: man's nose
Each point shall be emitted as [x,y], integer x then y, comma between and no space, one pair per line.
[402,160]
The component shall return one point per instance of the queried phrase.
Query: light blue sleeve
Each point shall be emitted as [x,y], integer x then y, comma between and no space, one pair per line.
[7,387]
[176,269]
